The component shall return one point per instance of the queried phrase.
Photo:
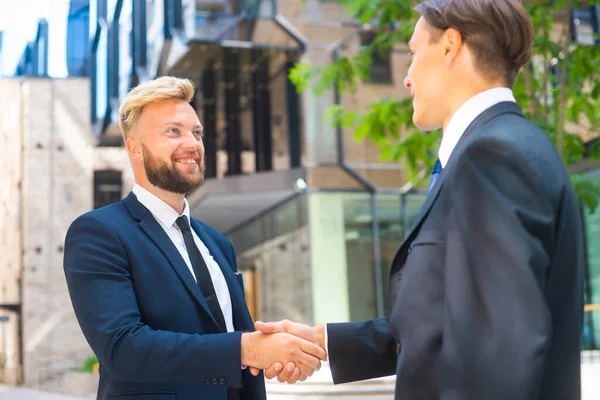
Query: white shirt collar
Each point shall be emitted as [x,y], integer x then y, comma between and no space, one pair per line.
[466,114]
[163,212]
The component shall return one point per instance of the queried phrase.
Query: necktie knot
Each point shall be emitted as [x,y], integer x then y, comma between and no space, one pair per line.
[182,223]
[437,169]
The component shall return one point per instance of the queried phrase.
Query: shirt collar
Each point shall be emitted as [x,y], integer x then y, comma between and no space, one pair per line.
[466,114]
[163,212]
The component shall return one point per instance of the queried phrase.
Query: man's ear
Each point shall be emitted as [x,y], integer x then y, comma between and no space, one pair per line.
[452,44]
[134,148]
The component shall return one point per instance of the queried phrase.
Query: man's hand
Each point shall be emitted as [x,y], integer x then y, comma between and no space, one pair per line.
[291,373]
[260,350]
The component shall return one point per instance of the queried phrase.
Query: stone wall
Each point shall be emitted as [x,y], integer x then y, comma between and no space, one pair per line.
[47,184]
[10,225]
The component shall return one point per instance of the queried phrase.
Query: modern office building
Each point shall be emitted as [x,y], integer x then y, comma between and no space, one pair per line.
[315,216]
[312,212]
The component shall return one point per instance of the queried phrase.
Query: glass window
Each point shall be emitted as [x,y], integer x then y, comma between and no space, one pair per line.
[108,187]
[275,247]
[101,76]
[343,253]
[125,60]
[78,28]
[111,6]
[591,328]
[360,256]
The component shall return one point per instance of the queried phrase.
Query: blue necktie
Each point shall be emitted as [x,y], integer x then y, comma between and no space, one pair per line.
[437,168]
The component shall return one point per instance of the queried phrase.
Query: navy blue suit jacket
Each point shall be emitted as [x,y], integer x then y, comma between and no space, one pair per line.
[143,314]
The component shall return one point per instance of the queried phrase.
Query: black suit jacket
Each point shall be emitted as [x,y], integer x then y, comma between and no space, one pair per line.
[143,314]
[486,290]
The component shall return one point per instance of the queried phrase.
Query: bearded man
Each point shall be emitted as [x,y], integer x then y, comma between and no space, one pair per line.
[157,293]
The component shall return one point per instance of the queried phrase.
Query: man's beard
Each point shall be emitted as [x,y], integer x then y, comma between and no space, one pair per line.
[168,178]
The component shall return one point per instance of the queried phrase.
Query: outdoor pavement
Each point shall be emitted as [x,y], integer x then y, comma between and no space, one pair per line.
[590,376]
[12,393]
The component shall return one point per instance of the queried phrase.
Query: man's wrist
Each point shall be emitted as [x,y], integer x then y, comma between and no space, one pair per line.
[320,331]
[247,349]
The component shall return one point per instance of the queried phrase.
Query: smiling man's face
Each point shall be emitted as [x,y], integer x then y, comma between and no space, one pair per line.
[170,136]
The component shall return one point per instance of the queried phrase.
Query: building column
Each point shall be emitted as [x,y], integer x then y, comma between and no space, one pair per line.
[233,143]
[261,111]
[328,260]
[209,103]
[293,116]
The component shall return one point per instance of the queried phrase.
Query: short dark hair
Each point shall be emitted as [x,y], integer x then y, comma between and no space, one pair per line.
[498,32]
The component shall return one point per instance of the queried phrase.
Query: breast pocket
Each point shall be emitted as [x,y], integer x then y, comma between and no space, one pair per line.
[425,256]
[427,239]
[153,395]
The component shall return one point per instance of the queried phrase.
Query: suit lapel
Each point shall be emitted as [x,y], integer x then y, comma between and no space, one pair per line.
[157,234]
[507,107]
[241,317]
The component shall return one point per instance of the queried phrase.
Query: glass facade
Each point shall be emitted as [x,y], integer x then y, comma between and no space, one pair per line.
[124,51]
[78,33]
[320,250]
[155,23]
[351,262]
[101,81]
[591,328]
[273,254]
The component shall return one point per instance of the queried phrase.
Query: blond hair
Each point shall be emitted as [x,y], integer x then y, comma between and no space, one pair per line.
[163,88]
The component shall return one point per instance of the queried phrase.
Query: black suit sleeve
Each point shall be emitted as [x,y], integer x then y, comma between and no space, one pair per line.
[104,299]
[497,326]
[361,350]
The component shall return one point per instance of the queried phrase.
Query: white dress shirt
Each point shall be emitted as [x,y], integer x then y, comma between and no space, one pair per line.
[466,114]
[460,121]
[166,217]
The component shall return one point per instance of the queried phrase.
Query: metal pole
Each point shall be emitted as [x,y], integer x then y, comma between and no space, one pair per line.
[377,257]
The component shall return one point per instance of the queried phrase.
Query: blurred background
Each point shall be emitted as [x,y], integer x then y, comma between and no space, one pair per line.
[315,209]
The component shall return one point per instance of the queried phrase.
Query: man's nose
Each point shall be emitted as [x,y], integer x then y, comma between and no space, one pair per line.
[191,139]
[407,83]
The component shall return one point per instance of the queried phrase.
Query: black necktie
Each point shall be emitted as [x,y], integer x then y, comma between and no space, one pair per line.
[201,272]
[437,169]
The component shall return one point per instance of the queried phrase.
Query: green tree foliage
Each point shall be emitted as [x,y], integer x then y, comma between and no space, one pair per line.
[559,88]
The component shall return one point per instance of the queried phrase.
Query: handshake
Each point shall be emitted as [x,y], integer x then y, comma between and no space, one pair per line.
[287,350]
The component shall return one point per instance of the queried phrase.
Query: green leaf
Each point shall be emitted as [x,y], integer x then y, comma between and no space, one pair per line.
[301,76]
[587,191]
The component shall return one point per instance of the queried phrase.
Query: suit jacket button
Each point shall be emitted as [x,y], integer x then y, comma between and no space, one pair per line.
[215,381]
[223,381]
[208,381]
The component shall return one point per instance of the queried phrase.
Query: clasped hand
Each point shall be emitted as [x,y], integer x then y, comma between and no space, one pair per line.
[297,366]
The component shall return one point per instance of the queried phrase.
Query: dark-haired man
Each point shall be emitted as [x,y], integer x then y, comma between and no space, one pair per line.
[486,290]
